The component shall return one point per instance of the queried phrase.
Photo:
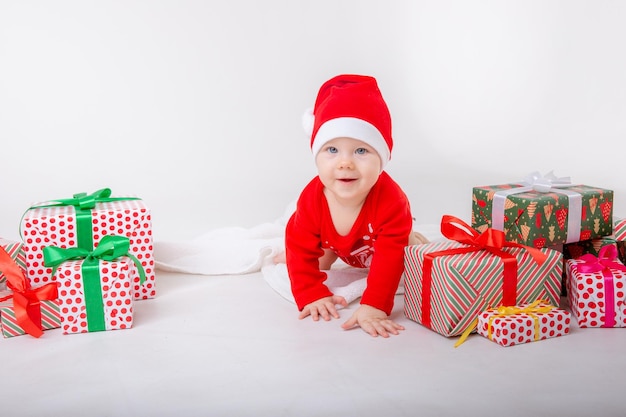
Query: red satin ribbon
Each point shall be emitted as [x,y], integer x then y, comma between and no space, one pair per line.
[490,240]
[604,263]
[26,300]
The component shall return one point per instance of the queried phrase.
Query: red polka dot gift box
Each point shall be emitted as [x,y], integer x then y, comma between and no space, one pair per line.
[82,221]
[95,288]
[596,289]
[510,326]
[447,284]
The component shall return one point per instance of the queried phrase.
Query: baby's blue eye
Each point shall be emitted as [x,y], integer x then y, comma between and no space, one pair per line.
[332,149]
[361,151]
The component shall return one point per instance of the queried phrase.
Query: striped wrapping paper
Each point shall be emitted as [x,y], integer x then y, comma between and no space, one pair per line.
[15,251]
[619,233]
[50,318]
[464,285]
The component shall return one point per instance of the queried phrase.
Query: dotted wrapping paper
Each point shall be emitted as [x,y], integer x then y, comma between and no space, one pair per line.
[521,328]
[588,294]
[111,309]
[57,226]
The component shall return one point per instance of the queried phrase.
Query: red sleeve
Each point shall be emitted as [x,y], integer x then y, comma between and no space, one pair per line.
[303,248]
[394,224]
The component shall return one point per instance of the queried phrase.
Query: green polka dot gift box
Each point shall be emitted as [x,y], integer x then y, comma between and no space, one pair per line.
[83,221]
[543,214]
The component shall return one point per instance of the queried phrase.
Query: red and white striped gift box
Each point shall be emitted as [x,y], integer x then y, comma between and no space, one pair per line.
[463,285]
[15,251]
[50,318]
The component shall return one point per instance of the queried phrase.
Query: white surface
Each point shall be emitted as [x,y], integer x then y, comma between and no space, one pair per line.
[230,346]
[200,102]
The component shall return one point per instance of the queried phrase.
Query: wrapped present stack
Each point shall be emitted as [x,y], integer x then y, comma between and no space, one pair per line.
[460,286]
[81,265]
[82,221]
[448,284]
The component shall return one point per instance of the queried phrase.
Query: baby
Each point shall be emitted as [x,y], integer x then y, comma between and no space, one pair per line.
[352,210]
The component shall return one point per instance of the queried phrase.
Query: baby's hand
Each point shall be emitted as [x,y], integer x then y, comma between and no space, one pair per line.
[373,321]
[324,307]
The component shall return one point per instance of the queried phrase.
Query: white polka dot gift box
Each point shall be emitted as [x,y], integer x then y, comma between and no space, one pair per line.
[596,289]
[448,283]
[95,288]
[82,221]
[510,326]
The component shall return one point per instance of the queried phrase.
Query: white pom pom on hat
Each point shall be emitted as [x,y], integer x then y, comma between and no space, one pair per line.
[350,106]
[307,120]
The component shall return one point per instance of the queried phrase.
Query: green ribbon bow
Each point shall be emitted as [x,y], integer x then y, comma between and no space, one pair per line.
[84,203]
[110,248]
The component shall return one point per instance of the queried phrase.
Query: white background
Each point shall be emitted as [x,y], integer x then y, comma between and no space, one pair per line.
[196,106]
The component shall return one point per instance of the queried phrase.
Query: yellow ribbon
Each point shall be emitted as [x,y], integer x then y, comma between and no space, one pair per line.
[503,311]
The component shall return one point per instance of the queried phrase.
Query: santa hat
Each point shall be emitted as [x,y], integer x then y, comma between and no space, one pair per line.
[350,106]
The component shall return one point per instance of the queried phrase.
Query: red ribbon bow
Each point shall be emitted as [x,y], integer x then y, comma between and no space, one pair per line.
[604,263]
[490,240]
[26,300]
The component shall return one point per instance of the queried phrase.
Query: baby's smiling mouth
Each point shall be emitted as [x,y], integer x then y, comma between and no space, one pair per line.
[347,179]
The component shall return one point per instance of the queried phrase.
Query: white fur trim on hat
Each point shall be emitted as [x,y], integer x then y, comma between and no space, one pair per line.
[351,127]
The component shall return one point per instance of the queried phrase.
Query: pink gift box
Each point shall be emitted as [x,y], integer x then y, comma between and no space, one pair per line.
[597,298]
[50,318]
[510,326]
[110,309]
[58,226]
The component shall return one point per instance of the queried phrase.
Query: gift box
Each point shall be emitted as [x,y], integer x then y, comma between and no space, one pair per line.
[15,251]
[24,309]
[619,233]
[578,249]
[591,246]
[83,221]
[95,288]
[543,215]
[596,289]
[448,283]
[510,326]
[47,310]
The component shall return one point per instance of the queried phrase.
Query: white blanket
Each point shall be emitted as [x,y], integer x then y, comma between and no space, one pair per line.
[235,251]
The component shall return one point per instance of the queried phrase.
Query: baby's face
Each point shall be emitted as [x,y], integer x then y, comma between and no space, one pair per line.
[348,168]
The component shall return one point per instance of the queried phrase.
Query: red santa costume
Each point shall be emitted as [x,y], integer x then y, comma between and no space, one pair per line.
[350,106]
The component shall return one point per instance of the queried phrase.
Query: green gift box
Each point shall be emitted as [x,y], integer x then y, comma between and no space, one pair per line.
[543,214]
